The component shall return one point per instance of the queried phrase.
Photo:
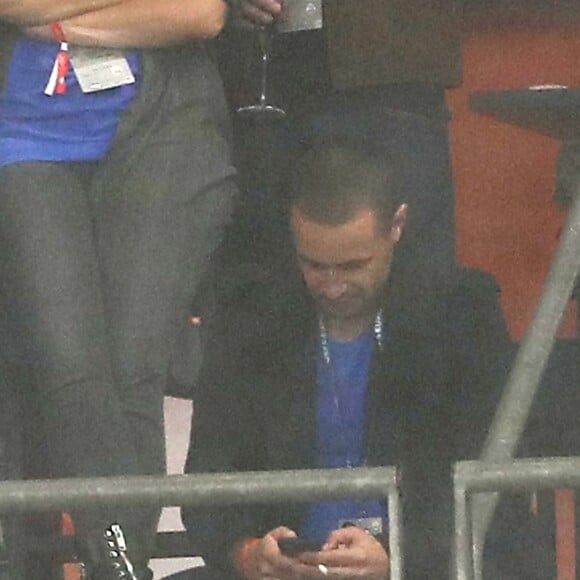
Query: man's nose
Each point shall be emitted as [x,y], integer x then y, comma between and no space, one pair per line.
[332,286]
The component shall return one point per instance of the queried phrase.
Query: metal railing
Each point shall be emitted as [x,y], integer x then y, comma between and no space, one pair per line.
[476,477]
[529,366]
[217,489]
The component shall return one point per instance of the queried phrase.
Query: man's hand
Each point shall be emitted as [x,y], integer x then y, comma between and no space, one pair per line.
[249,13]
[351,553]
[265,559]
[266,562]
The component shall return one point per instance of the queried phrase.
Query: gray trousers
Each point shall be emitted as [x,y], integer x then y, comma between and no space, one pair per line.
[99,265]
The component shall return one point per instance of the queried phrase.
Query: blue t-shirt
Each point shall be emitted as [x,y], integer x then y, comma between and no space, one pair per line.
[342,393]
[69,127]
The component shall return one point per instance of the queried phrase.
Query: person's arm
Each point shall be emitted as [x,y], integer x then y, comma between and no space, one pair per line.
[221,442]
[483,356]
[38,12]
[225,437]
[142,23]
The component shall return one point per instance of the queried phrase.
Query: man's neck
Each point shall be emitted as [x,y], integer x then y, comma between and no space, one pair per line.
[345,329]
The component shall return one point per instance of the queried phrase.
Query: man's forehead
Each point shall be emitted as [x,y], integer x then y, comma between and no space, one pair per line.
[364,220]
[326,243]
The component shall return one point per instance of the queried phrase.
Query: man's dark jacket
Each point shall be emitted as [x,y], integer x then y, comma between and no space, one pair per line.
[430,399]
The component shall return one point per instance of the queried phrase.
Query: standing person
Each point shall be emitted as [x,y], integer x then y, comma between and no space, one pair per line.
[115,183]
[360,358]
[377,70]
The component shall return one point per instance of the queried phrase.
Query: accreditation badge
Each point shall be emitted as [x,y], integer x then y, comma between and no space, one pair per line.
[99,69]
[373,526]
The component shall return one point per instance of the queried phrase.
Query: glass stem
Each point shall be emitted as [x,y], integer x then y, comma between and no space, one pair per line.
[264,37]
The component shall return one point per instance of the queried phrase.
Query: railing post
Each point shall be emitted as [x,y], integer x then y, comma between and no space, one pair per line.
[463,530]
[396,535]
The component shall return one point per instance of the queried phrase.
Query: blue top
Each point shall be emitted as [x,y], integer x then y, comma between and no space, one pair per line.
[69,127]
[342,393]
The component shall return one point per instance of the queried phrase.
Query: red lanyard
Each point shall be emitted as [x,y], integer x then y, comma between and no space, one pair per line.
[62,62]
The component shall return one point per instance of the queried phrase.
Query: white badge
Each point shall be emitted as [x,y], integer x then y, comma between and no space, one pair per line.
[98,69]
[373,526]
[301,15]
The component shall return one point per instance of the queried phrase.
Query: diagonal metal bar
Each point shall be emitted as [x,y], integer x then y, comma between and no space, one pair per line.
[530,363]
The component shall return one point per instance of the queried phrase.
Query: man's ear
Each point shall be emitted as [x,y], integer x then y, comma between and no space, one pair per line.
[399,221]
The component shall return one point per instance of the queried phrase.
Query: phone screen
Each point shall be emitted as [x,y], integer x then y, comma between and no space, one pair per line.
[295,546]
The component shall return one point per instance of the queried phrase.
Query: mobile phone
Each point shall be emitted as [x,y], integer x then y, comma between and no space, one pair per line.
[295,546]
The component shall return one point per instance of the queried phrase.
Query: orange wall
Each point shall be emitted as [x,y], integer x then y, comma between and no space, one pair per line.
[507,222]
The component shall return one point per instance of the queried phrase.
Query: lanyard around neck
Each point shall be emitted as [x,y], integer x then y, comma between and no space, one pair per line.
[377,331]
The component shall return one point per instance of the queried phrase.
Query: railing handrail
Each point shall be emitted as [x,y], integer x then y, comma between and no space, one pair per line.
[530,473]
[196,489]
[207,489]
[480,477]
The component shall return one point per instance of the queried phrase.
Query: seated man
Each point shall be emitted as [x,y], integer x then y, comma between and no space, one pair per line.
[358,357]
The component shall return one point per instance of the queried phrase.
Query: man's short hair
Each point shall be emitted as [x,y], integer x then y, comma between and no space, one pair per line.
[332,183]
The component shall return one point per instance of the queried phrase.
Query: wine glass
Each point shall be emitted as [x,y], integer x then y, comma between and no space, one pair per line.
[262,109]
